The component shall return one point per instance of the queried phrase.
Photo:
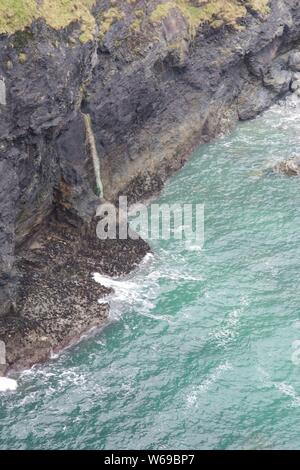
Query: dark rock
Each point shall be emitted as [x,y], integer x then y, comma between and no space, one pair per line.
[58,297]
[278,80]
[8,198]
[253,100]
[294,61]
[75,194]
[259,63]
[290,167]
[295,85]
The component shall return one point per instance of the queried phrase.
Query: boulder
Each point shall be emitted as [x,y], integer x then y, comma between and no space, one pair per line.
[278,80]
[295,85]
[294,61]
[290,167]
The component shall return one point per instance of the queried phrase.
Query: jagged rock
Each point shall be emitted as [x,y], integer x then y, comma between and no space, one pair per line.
[295,84]
[294,61]
[278,80]
[8,198]
[253,100]
[290,167]
[259,63]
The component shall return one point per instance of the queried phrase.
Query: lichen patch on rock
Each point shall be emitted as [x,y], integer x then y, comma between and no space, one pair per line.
[212,12]
[16,15]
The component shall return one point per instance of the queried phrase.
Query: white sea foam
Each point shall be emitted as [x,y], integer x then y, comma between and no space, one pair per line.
[296,324]
[110,282]
[8,385]
[284,388]
[124,290]
[229,331]
[208,382]
[147,258]
[174,275]
[191,247]
[133,294]
[140,294]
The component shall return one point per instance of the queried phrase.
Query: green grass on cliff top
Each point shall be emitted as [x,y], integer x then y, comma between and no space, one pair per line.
[16,15]
[213,12]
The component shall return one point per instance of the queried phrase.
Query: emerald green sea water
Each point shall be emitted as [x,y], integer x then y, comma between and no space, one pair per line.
[201,351]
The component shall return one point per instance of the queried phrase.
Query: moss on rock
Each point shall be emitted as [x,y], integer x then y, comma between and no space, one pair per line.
[108,18]
[213,12]
[17,15]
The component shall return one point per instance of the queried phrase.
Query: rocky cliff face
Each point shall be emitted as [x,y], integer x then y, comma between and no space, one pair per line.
[153,78]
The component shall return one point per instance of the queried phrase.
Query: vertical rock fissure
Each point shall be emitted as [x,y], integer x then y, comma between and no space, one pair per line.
[2,358]
[2,92]
[94,153]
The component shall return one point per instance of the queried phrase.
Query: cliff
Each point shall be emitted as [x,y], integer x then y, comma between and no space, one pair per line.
[139,83]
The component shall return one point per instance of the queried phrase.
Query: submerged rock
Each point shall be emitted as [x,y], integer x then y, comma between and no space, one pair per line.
[290,167]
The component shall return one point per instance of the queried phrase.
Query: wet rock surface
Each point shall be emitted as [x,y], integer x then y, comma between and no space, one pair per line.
[57,295]
[290,167]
